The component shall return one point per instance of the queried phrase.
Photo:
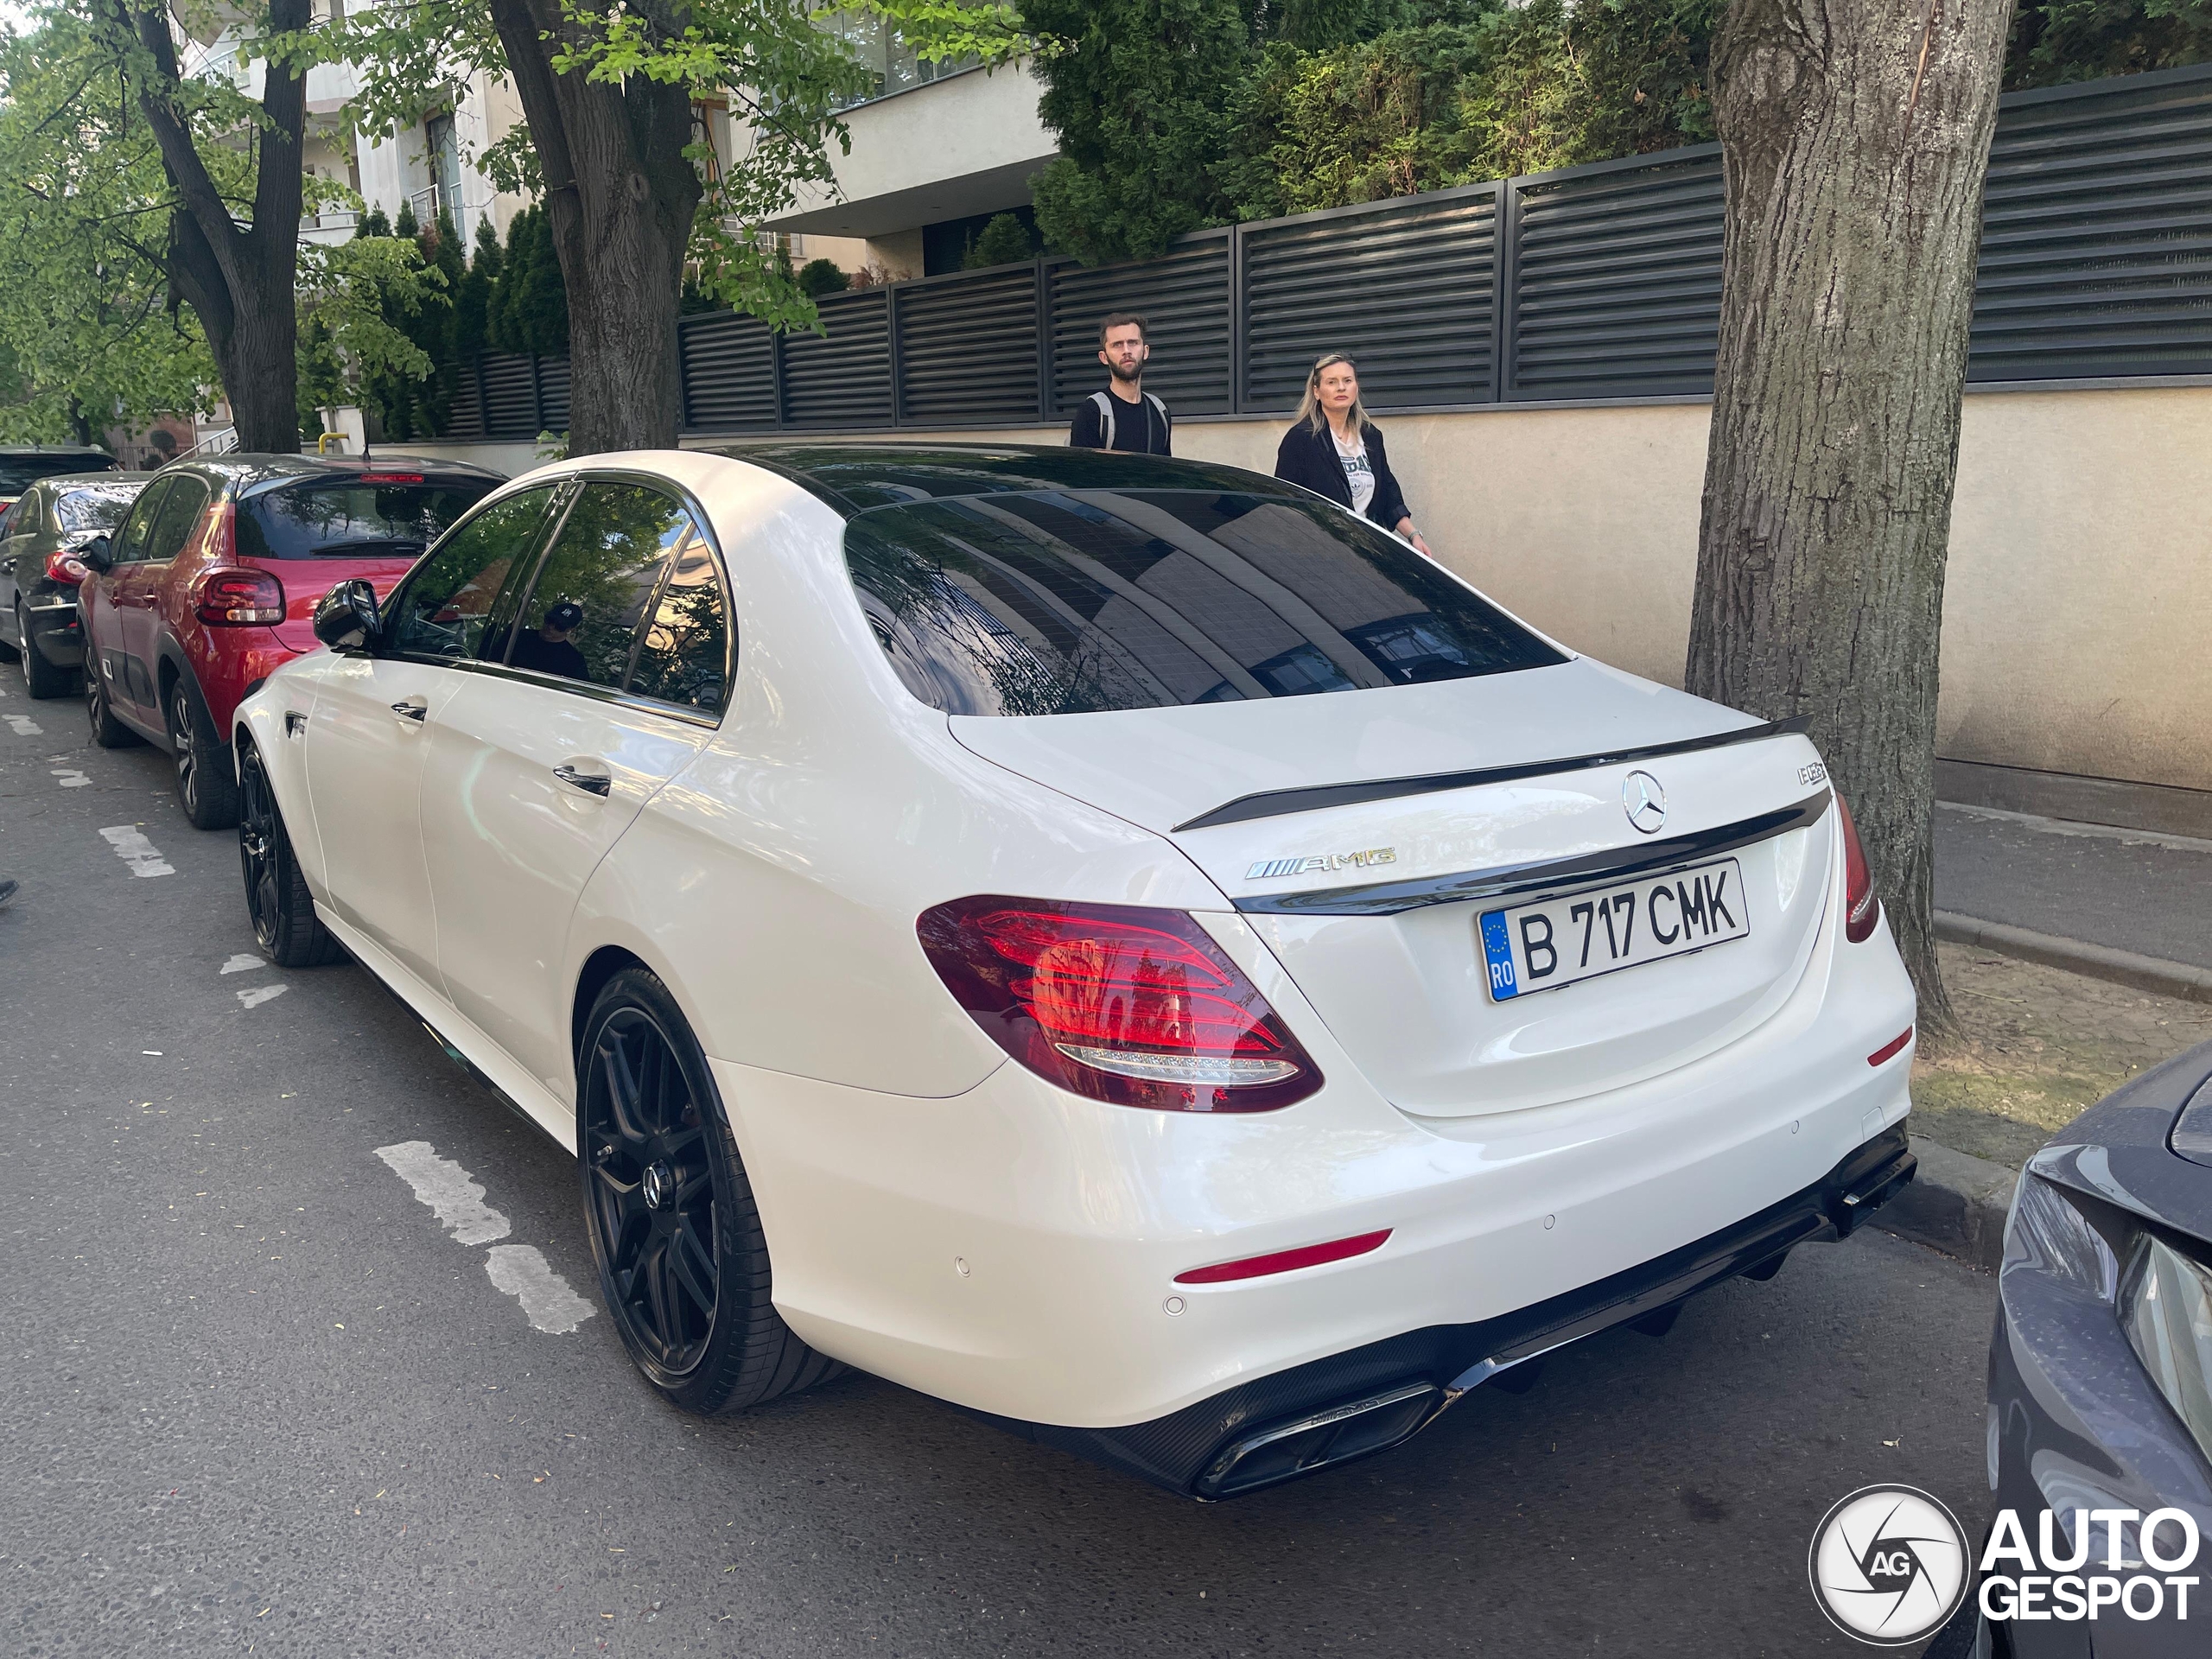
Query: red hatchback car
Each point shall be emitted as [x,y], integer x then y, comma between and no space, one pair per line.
[212,580]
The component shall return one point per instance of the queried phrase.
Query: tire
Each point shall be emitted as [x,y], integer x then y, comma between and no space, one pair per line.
[205,783]
[277,896]
[649,1121]
[41,679]
[107,731]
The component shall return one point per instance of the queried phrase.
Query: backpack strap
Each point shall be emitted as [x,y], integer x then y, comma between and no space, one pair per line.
[1104,401]
[1166,426]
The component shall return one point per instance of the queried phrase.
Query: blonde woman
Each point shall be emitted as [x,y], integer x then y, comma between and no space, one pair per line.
[1333,449]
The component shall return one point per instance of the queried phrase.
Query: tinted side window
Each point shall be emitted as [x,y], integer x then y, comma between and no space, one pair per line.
[180,510]
[1067,603]
[598,582]
[684,655]
[447,598]
[130,544]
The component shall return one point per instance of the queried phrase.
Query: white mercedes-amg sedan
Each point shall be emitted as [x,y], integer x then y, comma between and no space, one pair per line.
[1119,944]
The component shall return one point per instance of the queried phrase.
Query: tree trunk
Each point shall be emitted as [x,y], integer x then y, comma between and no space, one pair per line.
[238,280]
[1854,141]
[619,196]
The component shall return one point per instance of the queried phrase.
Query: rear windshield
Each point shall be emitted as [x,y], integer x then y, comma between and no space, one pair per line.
[1082,601]
[19,473]
[95,507]
[349,519]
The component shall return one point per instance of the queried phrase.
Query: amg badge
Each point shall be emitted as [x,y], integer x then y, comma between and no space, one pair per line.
[1267,869]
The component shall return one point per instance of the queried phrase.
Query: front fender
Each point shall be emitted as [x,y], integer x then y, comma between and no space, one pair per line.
[277,718]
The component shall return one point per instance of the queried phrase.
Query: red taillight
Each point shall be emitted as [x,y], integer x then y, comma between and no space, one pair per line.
[66,568]
[1305,1256]
[1861,907]
[227,597]
[1137,1007]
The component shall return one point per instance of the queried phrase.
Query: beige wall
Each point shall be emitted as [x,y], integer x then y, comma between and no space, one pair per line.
[2077,633]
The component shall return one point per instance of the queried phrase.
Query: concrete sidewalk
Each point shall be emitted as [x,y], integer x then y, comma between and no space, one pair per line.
[2124,905]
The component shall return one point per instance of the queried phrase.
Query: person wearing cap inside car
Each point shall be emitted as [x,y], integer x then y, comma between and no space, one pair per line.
[548,650]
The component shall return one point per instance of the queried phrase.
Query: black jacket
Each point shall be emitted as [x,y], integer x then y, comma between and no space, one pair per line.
[1310,458]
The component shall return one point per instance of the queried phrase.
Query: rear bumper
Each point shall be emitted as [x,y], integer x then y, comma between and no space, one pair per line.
[1349,1405]
[51,622]
[1015,1249]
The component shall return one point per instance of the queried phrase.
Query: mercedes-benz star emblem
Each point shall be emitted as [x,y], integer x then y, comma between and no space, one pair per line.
[1644,802]
[657,1185]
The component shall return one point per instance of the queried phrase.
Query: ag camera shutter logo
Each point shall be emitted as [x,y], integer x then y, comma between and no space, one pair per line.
[1888,1566]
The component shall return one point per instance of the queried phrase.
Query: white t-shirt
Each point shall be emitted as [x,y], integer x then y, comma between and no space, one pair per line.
[1357,473]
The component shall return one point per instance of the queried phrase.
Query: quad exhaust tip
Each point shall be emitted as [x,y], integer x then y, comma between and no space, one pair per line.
[1324,1438]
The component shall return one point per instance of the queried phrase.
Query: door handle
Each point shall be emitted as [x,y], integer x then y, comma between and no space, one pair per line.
[413,709]
[590,783]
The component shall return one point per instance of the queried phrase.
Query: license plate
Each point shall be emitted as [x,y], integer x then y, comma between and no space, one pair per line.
[1540,947]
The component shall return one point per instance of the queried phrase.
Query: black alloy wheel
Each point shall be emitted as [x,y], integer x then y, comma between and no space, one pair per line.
[683,1262]
[204,782]
[277,896]
[107,731]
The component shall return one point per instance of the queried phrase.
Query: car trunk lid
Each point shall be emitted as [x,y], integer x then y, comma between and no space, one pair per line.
[1364,834]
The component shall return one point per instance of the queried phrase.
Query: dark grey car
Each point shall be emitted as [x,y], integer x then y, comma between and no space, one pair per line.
[2100,1373]
[38,583]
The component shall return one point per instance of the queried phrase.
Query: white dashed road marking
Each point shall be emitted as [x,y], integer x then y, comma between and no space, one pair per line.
[519,1270]
[524,1274]
[453,1195]
[71,778]
[24,726]
[259,995]
[133,848]
[245,963]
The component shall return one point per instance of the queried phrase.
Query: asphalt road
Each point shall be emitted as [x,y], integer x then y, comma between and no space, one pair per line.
[255,1399]
[2126,889]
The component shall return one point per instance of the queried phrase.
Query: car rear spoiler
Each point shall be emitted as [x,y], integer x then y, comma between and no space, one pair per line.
[1274,802]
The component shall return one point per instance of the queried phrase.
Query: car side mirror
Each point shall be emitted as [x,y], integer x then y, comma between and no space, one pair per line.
[95,554]
[346,618]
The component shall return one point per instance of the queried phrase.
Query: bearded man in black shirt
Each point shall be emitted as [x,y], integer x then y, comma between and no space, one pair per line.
[1125,415]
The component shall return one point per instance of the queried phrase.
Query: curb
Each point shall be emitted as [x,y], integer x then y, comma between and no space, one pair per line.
[2153,974]
[1956,1202]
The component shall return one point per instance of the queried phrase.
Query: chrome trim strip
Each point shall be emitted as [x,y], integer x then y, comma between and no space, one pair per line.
[1274,802]
[1531,881]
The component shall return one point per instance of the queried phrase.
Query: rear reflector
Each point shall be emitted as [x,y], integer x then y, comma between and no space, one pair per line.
[1305,1256]
[1892,1049]
[1137,1007]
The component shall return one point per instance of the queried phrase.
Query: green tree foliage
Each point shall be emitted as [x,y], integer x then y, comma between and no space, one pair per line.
[820,277]
[1329,102]
[1137,92]
[1005,241]
[411,392]
[2055,42]
[529,306]
[88,334]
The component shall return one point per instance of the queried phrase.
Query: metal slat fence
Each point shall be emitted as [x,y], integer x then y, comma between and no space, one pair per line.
[1596,283]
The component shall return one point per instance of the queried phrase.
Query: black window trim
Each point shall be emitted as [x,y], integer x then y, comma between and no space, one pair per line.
[568,486]
[208,497]
[158,489]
